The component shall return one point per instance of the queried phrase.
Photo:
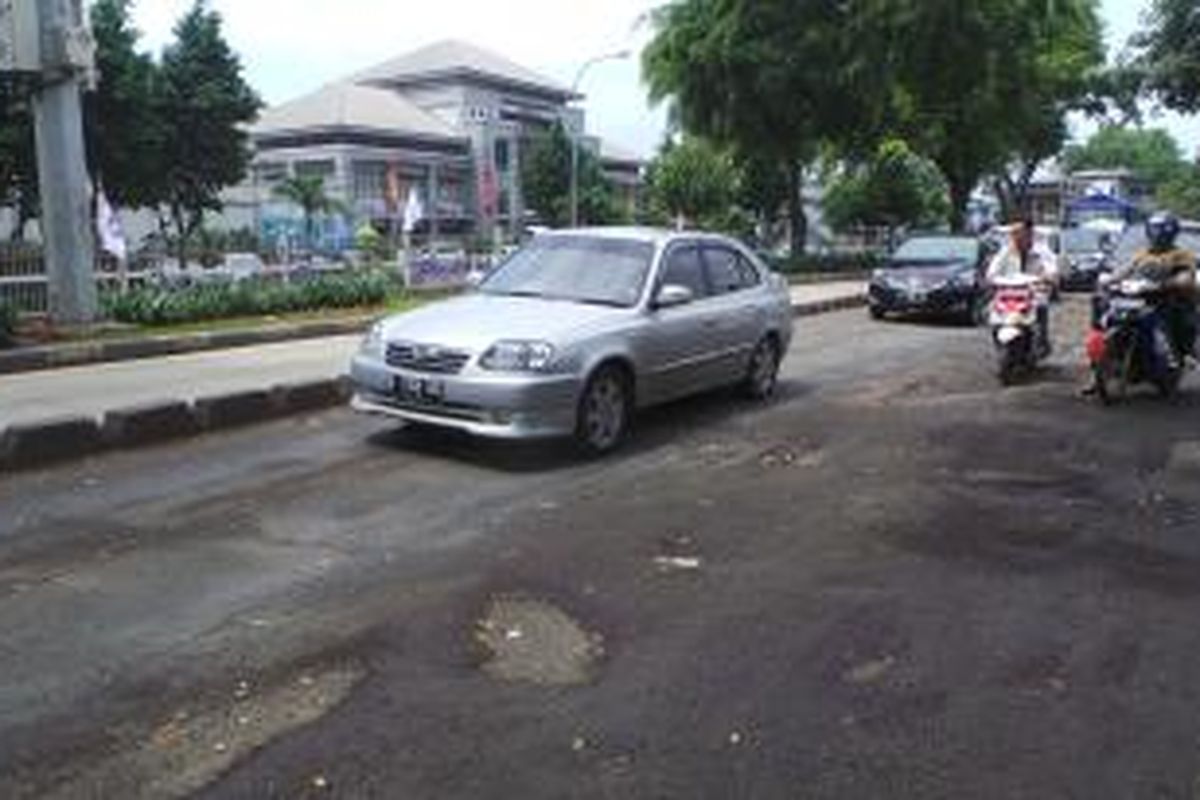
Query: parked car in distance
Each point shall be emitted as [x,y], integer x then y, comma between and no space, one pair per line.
[576,331]
[1086,255]
[933,274]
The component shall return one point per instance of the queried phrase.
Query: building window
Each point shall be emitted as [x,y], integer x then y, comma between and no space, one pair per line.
[370,180]
[315,169]
[271,172]
[501,156]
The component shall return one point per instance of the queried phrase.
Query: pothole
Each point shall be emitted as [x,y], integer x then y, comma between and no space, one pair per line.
[532,641]
[194,747]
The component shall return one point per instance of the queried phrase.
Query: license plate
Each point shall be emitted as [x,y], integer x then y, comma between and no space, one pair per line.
[1125,304]
[420,391]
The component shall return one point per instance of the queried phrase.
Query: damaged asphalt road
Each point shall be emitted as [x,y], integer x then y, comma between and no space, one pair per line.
[896,581]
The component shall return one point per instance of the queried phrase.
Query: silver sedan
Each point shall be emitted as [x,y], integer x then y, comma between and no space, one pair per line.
[576,331]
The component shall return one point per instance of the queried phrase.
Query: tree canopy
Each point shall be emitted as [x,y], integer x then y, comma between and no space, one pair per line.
[546,182]
[1151,154]
[125,132]
[1170,53]
[896,188]
[976,87]
[205,104]
[692,181]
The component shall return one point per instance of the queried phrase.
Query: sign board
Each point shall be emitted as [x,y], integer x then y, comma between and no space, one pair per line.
[20,39]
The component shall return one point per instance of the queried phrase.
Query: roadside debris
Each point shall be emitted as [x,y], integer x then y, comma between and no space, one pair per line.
[678,563]
[870,672]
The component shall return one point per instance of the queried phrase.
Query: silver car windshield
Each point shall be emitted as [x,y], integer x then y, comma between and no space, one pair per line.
[596,270]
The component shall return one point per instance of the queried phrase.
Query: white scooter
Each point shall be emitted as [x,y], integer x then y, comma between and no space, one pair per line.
[1013,320]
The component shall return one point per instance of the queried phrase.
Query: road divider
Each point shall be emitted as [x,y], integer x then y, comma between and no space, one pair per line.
[53,441]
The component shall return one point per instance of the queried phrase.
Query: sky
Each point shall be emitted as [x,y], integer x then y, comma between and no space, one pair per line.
[290,48]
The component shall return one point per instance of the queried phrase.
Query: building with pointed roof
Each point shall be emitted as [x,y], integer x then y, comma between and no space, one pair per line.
[447,122]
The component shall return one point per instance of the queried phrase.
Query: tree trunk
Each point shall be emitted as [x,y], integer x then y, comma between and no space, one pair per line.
[797,216]
[960,198]
[181,236]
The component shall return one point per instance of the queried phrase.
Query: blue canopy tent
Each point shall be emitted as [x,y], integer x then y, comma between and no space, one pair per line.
[1100,206]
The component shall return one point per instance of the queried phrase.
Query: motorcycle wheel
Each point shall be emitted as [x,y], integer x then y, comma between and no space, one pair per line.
[1168,387]
[1008,366]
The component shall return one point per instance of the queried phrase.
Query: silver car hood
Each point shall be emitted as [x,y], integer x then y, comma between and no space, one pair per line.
[477,321]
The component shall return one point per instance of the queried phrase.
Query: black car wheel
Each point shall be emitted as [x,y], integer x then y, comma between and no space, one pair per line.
[604,411]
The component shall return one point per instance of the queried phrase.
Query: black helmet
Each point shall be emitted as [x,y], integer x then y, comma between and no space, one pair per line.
[1162,230]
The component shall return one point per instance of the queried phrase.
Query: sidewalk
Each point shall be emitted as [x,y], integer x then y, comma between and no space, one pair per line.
[92,391]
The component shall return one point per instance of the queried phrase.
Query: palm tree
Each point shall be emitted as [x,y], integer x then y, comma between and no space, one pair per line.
[308,192]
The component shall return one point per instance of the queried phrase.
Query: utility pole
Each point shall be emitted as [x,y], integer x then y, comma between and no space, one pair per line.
[46,44]
[66,217]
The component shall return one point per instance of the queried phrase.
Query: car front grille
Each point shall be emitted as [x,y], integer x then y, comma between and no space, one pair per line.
[426,358]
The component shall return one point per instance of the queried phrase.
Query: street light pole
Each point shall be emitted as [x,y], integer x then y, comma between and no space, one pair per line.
[618,56]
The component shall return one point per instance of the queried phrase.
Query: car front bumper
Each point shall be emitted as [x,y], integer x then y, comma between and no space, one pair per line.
[495,406]
[939,300]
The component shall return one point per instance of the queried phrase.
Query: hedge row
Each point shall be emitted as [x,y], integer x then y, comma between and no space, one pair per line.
[829,263]
[163,306]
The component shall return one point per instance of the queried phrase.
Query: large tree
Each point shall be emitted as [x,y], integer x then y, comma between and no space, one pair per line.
[760,76]
[982,87]
[1170,53]
[1151,154]
[546,182]
[205,105]
[692,181]
[125,131]
[895,189]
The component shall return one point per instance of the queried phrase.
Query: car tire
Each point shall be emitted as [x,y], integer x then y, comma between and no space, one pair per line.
[877,313]
[605,411]
[762,374]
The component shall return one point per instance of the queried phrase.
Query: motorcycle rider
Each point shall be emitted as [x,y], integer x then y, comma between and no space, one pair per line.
[1175,267]
[1022,255]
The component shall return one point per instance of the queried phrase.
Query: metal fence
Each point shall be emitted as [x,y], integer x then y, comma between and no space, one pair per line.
[25,287]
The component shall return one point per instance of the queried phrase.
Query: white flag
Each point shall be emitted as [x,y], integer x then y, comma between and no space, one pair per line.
[414,211]
[112,238]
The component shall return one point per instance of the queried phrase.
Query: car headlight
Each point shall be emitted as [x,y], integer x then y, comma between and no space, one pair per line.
[373,344]
[518,356]
[963,280]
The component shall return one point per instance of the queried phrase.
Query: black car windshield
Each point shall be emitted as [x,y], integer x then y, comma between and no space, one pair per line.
[935,250]
[582,269]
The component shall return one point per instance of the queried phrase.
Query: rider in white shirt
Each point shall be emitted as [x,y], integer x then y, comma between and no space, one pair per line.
[1023,255]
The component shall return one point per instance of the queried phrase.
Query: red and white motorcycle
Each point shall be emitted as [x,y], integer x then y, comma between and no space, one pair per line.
[1020,342]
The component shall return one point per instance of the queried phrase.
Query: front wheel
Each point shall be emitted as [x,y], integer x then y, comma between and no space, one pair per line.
[762,376]
[605,409]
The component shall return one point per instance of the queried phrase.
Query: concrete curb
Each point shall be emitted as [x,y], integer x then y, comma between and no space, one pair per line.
[42,444]
[33,359]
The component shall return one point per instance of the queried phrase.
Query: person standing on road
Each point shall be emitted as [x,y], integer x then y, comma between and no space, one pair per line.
[1022,255]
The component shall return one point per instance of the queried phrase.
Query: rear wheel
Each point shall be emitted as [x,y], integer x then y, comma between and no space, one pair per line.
[604,411]
[762,376]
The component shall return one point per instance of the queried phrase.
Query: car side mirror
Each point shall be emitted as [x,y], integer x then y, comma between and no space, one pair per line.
[673,295]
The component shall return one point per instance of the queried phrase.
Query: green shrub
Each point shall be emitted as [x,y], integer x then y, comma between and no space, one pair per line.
[161,306]
[8,325]
[833,263]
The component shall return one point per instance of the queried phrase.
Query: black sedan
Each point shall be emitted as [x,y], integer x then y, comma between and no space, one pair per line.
[934,274]
[1086,255]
